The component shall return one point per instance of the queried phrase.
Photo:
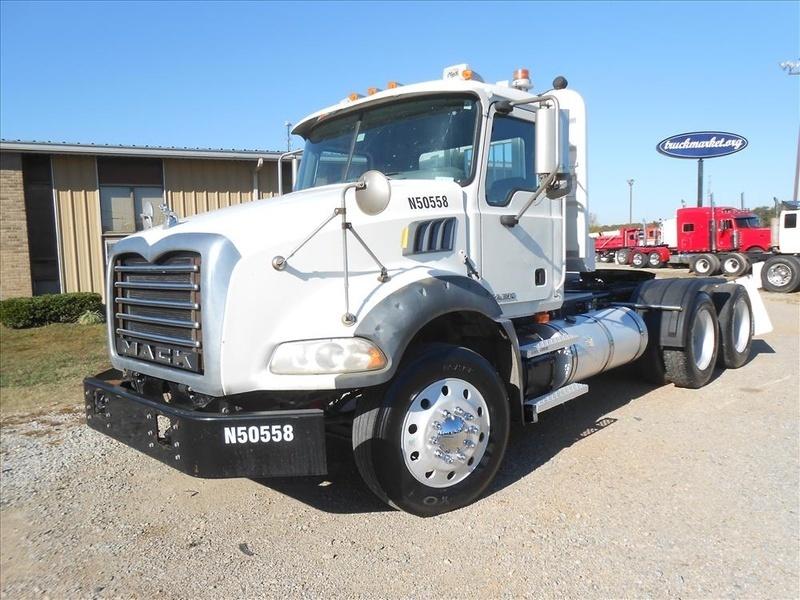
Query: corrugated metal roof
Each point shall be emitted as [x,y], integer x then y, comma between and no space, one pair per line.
[49,147]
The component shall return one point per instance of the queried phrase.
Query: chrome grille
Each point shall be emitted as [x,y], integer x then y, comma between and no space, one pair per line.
[157,310]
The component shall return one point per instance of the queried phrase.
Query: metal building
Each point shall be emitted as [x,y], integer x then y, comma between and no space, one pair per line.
[63,205]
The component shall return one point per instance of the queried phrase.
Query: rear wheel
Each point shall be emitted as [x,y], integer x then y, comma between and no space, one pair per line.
[621,257]
[432,439]
[705,264]
[639,259]
[781,274]
[734,264]
[693,365]
[654,260]
[736,328]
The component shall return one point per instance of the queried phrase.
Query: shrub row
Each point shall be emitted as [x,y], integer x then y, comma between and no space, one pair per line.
[19,313]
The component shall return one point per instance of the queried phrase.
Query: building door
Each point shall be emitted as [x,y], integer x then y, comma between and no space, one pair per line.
[41,219]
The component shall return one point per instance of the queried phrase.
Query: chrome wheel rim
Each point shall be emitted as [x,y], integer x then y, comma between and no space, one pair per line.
[654,259]
[741,326]
[703,340]
[445,433]
[779,275]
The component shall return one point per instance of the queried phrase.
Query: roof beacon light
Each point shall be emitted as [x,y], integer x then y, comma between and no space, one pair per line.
[522,80]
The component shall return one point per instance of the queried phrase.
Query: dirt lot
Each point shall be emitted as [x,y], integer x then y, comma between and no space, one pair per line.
[628,491]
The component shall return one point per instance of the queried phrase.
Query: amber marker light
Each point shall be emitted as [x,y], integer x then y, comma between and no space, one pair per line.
[522,74]
[392,85]
[372,91]
[466,74]
[354,96]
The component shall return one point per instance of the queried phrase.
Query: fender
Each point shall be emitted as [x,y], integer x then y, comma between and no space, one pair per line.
[670,327]
[395,320]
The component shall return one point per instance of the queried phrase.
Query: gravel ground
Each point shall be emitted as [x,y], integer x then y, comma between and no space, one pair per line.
[629,491]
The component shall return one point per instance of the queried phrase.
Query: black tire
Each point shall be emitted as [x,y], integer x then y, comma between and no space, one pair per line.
[734,264]
[621,256]
[380,430]
[736,327]
[704,265]
[654,260]
[639,260]
[693,365]
[781,274]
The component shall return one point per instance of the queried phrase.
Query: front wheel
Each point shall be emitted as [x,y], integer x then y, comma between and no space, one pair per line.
[432,439]
[781,274]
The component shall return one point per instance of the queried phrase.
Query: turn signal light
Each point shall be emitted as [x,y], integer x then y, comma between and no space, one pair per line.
[542,317]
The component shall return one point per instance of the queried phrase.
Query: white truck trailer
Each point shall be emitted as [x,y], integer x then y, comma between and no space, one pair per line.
[429,281]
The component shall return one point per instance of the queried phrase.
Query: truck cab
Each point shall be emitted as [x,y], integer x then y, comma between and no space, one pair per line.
[430,280]
[720,229]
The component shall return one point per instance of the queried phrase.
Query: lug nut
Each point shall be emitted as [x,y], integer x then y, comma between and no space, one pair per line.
[177,457]
[150,445]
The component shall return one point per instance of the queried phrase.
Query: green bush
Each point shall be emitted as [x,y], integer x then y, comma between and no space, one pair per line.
[91,317]
[19,313]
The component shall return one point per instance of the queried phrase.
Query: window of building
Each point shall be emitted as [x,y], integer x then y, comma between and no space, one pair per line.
[790,220]
[131,190]
[510,166]
[687,227]
[40,214]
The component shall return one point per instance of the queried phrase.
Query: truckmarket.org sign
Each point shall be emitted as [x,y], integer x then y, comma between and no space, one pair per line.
[702,144]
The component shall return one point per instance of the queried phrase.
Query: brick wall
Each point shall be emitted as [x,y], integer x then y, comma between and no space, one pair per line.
[15,269]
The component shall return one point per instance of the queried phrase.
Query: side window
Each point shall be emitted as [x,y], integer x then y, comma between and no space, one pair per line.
[790,220]
[727,224]
[510,165]
[688,227]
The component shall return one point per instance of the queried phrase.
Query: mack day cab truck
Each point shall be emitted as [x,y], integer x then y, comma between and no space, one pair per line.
[429,280]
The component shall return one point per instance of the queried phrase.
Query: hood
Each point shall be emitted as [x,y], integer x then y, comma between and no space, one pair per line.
[290,218]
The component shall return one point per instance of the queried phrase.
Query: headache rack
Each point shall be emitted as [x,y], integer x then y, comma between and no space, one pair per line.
[157,310]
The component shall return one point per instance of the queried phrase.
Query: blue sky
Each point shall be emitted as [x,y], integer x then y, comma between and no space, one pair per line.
[229,75]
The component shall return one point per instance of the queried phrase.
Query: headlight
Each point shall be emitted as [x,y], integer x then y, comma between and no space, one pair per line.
[333,355]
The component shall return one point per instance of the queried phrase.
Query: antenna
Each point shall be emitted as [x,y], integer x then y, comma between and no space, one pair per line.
[288,136]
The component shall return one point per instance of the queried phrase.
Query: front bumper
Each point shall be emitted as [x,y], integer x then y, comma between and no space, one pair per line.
[210,445]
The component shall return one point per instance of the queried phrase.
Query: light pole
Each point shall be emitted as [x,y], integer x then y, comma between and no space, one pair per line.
[630,200]
[793,68]
[288,126]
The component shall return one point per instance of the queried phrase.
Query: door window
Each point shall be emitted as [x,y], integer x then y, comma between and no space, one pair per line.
[510,167]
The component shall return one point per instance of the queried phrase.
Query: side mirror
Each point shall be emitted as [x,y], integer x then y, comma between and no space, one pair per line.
[552,141]
[373,192]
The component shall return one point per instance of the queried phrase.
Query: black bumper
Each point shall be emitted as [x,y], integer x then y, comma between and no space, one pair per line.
[210,445]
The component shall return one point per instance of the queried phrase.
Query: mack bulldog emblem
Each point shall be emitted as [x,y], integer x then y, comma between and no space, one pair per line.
[166,355]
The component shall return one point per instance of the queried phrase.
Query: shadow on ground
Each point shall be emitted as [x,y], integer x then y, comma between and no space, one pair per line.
[530,446]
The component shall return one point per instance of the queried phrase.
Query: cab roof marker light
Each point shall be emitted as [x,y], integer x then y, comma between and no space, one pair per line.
[463,72]
[372,91]
[354,96]
[393,85]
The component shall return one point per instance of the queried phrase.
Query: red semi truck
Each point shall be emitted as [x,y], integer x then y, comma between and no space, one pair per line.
[704,238]
[617,246]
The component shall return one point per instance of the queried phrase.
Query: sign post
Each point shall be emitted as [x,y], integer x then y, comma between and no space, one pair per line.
[701,145]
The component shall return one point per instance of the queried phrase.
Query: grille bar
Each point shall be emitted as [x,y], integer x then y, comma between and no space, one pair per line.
[158,303]
[159,321]
[156,269]
[151,285]
[164,339]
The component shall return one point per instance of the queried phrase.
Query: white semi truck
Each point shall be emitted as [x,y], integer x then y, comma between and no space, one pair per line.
[429,281]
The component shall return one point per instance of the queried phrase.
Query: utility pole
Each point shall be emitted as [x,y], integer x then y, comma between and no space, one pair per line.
[630,200]
[793,68]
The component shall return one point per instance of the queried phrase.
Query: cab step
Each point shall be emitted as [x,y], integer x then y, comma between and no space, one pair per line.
[539,347]
[535,406]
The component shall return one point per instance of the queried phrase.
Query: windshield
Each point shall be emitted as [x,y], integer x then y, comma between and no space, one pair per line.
[422,138]
[747,222]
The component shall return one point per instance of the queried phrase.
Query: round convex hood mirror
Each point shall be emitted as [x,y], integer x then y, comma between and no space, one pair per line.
[374,197]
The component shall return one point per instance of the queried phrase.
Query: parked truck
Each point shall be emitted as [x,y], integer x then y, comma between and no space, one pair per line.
[713,240]
[617,246]
[429,282]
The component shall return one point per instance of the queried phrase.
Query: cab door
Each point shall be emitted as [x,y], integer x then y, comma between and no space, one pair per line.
[521,265]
